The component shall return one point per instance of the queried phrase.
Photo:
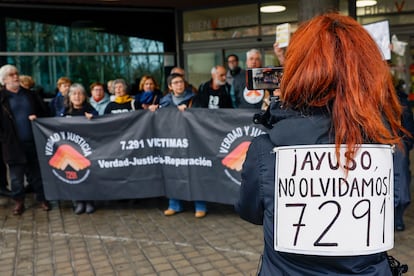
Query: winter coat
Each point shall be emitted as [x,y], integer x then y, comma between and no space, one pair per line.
[87,107]
[167,100]
[13,150]
[101,105]
[153,98]
[256,203]
[209,98]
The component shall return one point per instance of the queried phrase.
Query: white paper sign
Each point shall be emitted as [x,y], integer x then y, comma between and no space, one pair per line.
[380,32]
[319,210]
[398,47]
[283,34]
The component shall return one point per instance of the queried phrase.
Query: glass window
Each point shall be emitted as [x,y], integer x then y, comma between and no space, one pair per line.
[198,66]
[47,52]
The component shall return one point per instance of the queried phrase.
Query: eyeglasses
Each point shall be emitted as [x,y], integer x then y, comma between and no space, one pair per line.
[177,82]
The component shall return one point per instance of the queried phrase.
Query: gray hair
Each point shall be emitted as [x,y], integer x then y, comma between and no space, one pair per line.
[252,52]
[5,70]
[77,86]
[214,69]
[124,84]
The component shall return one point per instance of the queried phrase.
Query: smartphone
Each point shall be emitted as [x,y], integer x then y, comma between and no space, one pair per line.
[264,78]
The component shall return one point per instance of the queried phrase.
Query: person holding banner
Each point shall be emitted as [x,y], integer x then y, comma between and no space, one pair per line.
[18,107]
[337,117]
[122,102]
[181,98]
[77,105]
[99,98]
[149,92]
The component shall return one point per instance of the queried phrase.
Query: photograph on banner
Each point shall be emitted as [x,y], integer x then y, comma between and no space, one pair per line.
[310,183]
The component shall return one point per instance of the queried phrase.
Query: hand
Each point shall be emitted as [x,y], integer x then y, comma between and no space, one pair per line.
[279,52]
[182,107]
[276,92]
[88,115]
[32,117]
[153,107]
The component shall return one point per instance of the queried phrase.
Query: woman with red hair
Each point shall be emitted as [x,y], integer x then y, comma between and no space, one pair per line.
[336,89]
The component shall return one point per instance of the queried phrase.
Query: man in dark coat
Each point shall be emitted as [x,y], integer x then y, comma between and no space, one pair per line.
[19,107]
[214,93]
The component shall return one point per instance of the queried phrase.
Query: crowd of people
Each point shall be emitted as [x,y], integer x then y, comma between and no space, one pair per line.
[21,103]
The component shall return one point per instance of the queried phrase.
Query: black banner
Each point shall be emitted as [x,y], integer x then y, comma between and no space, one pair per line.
[192,155]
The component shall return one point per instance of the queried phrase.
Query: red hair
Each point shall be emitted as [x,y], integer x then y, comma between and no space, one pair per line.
[332,62]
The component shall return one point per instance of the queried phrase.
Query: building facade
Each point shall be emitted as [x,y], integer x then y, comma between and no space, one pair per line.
[97,43]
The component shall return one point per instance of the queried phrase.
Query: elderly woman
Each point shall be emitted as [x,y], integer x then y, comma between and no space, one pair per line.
[99,98]
[76,104]
[122,102]
[181,99]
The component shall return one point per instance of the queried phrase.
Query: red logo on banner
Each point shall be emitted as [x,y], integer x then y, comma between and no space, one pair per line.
[235,159]
[68,159]
[233,150]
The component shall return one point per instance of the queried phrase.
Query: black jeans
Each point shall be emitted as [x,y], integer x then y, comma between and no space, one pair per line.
[3,176]
[31,170]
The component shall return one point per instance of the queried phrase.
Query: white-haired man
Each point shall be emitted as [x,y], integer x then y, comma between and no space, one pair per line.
[214,93]
[19,107]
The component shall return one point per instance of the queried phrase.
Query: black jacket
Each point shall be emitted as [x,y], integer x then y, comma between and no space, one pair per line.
[11,146]
[256,203]
[209,98]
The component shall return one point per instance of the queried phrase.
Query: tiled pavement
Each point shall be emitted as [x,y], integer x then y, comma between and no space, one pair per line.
[135,238]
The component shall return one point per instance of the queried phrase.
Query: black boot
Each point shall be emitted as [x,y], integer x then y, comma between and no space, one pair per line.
[19,207]
[90,207]
[79,207]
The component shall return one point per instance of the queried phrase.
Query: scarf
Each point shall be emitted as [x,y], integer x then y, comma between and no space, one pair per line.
[123,99]
[146,97]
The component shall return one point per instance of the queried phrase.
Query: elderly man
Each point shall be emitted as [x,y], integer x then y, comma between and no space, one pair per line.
[19,107]
[214,93]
